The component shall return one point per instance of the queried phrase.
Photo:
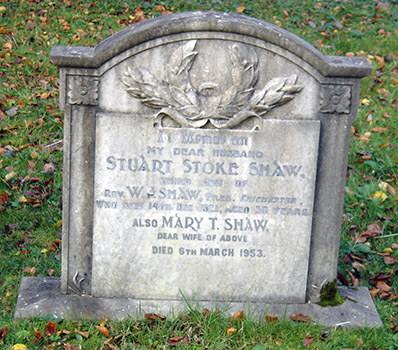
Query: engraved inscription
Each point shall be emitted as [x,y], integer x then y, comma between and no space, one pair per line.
[181,197]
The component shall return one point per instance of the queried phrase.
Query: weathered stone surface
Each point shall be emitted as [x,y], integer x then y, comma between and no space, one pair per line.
[41,296]
[205,156]
[212,214]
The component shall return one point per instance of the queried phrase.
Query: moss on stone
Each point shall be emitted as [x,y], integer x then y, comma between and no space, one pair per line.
[330,295]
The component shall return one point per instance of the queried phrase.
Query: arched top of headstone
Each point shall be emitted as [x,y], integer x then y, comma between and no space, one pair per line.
[94,57]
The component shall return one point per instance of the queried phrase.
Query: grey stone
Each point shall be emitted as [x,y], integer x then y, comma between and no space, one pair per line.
[40,296]
[205,156]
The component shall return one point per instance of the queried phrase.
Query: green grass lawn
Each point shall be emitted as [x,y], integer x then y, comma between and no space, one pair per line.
[31,126]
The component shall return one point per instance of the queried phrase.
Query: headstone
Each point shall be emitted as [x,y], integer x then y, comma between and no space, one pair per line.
[205,160]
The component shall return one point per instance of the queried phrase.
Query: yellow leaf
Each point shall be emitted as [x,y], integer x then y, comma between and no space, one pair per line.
[379,194]
[22,199]
[240,9]
[231,330]
[3,9]
[9,176]
[45,251]
[18,347]
[365,102]
[388,250]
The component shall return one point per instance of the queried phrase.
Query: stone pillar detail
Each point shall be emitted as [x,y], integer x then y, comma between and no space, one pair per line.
[83,90]
[335,99]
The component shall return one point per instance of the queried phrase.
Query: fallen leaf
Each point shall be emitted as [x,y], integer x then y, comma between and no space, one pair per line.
[365,102]
[271,318]
[153,317]
[50,327]
[300,317]
[174,341]
[374,291]
[354,280]
[104,320]
[10,175]
[231,330]
[383,286]
[239,315]
[18,347]
[390,260]
[3,333]
[240,9]
[83,334]
[50,272]
[388,251]
[308,341]
[32,273]
[49,168]
[381,276]
[379,194]
[63,332]
[394,246]
[69,346]
[104,331]
[109,344]
[205,312]
[34,154]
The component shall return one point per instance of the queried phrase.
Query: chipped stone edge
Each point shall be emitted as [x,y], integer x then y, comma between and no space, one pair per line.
[40,296]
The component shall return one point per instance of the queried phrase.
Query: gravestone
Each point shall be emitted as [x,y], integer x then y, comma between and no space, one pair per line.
[204,161]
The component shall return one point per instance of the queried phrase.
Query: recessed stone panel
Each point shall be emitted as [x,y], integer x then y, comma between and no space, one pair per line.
[211,214]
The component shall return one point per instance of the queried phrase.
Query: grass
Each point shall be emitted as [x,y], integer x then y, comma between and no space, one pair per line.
[31,127]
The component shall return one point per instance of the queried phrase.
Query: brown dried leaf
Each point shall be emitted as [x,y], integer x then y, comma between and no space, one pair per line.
[271,318]
[383,286]
[390,260]
[375,227]
[239,315]
[83,334]
[354,280]
[32,271]
[103,321]
[69,346]
[308,341]
[174,341]
[300,317]
[104,331]
[231,330]
[374,291]
[381,276]
[50,328]
[109,344]
[3,333]
[153,317]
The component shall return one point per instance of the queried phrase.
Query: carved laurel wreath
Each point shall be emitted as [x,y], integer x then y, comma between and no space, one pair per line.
[190,107]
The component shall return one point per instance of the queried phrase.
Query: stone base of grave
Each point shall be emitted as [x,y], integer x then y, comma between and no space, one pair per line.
[40,296]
